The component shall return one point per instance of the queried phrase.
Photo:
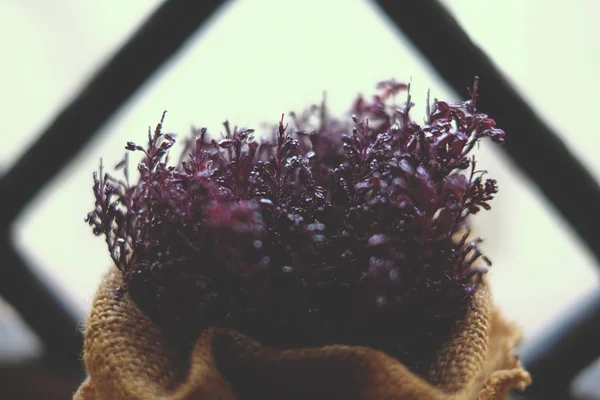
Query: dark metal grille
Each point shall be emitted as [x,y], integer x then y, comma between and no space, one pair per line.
[533,147]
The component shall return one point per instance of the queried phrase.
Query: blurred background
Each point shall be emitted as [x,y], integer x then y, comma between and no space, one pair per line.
[256,59]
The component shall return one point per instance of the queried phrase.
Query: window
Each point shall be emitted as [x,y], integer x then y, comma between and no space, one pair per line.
[259,58]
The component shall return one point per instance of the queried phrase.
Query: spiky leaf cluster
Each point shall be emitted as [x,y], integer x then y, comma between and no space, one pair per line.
[332,230]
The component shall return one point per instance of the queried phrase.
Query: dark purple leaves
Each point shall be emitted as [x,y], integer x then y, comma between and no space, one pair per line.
[335,231]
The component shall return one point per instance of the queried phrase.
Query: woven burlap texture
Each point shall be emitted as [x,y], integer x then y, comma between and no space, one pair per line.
[127,357]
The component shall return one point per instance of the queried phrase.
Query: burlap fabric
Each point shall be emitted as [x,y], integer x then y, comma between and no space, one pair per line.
[127,357]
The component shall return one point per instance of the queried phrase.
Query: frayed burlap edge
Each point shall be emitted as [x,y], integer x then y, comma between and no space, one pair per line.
[127,357]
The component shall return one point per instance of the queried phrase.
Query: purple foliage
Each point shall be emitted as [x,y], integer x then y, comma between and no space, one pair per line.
[332,231]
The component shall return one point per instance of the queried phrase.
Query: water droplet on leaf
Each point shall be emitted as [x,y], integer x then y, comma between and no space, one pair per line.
[378,240]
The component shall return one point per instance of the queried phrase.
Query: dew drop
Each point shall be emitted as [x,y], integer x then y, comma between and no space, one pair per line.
[316,227]
[318,238]
[347,254]
[378,240]
[406,167]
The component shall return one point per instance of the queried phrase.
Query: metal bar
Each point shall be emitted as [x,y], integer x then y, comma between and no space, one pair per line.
[530,143]
[556,357]
[54,322]
[153,43]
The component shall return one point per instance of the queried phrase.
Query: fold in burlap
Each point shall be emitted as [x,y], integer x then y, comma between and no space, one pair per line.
[128,357]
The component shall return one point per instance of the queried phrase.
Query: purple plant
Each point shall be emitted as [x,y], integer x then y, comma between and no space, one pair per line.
[333,231]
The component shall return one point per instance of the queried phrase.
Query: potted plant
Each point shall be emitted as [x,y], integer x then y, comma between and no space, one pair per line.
[331,260]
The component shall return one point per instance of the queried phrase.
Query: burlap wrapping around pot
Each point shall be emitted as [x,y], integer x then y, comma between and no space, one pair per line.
[127,357]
